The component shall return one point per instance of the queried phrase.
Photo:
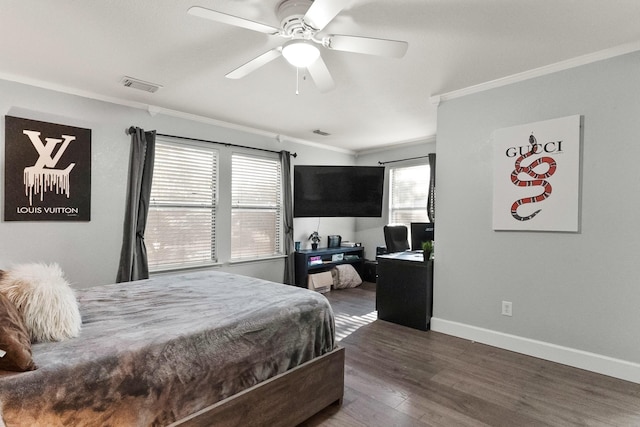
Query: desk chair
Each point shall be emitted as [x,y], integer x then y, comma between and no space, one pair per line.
[396,238]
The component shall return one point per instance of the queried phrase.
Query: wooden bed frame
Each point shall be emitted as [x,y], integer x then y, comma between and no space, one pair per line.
[284,400]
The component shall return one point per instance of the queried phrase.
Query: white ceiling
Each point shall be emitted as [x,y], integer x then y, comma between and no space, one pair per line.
[87,47]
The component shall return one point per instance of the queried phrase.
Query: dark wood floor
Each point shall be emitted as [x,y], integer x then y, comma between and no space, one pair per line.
[397,376]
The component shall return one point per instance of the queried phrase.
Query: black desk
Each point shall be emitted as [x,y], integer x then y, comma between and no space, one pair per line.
[404,291]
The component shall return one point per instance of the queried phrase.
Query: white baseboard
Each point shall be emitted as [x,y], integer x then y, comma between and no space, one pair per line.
[605,365]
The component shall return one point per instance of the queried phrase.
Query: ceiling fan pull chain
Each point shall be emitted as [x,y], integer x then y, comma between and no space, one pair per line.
[297,81]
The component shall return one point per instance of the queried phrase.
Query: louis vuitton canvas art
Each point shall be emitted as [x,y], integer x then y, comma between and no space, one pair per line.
[47,171]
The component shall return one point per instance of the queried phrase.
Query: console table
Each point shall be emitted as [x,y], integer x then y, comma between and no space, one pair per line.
[404,291]
[353,256]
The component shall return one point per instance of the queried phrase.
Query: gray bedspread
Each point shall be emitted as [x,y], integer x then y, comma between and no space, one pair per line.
[154,351]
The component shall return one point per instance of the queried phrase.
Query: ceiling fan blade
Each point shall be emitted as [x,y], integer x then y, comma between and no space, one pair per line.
[322,12]
[321,75]
[255,63]
[369,46]
[232,20]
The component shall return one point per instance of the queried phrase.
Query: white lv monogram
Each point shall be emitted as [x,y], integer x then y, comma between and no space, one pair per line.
[41,176]
[45,150]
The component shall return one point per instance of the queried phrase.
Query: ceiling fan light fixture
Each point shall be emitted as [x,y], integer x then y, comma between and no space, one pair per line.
[300,53]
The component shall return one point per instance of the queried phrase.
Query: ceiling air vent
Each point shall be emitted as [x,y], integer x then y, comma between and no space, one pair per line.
[321,133]
[139,84]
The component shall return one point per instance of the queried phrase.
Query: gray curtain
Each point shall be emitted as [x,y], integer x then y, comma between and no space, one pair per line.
[133,256]
[287,204]
[431,201]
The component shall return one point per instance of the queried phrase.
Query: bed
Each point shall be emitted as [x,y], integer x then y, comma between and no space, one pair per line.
[194,349]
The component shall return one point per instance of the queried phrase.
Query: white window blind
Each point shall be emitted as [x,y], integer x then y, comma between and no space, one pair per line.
[256,194]
[409,189]
[182,213]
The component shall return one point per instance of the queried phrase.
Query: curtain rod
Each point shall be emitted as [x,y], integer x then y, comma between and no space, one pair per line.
[402,160]
[132,129]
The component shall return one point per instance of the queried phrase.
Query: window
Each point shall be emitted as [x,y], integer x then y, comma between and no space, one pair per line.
[256,206]
[408,192]
[182,212]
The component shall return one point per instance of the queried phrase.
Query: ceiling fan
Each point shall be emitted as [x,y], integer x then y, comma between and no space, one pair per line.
[301,21]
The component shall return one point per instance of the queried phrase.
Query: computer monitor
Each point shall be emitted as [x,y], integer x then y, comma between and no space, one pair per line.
[421,232]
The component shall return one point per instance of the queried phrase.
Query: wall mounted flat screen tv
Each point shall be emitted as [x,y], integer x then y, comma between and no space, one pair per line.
[338,191]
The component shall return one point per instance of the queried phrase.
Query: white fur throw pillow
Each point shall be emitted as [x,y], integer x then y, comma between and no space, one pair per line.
[45,300]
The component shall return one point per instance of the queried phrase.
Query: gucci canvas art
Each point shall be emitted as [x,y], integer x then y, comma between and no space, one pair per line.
[536,176]
[47,171]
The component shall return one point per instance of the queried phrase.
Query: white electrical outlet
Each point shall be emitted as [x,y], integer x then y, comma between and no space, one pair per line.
[507,309]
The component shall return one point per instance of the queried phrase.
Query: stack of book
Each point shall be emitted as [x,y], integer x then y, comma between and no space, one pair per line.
[348,244]
[315,260]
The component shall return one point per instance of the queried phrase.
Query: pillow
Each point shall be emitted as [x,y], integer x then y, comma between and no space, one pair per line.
[44,299]
[15,345]
[345,276]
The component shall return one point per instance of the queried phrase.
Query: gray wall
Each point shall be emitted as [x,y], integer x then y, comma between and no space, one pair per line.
[88,252]
[576,296]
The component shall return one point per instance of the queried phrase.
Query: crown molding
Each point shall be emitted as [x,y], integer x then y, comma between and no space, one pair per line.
[153,110]
[538,72]
[399,144]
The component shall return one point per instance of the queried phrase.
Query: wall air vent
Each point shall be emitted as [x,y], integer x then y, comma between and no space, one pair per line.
[321,133]
[139,84]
